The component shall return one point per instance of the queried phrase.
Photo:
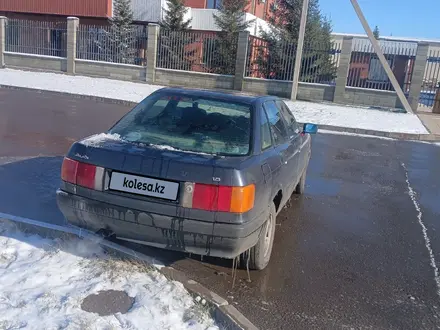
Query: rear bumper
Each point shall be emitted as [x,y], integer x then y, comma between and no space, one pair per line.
[173,233]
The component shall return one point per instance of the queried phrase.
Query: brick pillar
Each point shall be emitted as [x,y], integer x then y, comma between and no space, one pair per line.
[241,60]
[2,41]
[72,28]
[343,68]
[418,75]
[153,34]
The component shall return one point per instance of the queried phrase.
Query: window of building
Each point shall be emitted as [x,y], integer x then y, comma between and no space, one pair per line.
[213,4]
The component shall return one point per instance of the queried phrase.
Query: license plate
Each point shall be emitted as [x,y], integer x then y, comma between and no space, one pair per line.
[144,186]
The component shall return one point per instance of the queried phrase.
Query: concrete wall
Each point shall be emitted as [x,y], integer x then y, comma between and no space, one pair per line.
[266,86]
[306,91]
[370,97]
[36,62]
[110,70]
[316,92]
[193,79]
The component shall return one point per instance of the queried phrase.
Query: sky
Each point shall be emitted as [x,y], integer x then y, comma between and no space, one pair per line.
[399,18]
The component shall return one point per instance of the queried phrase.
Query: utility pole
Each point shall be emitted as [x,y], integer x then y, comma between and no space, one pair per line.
[381,56]
[299,49]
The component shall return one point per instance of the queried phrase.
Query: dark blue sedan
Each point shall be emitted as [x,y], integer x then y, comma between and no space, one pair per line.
[190,170]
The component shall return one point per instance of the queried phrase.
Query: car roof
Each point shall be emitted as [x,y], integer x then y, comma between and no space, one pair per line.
[228,95]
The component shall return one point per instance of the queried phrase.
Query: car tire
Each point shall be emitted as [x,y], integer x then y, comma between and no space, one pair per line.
[301,186]
[260,254]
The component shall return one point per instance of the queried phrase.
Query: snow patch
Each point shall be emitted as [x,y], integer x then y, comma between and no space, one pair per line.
[43,283]
[170,148]
[356,117]
[413,196]
[56,82]
[164,147]
[97,139]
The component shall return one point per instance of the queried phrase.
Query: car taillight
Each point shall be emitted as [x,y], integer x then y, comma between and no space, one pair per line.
[218,198]
[82,174]
[68,170]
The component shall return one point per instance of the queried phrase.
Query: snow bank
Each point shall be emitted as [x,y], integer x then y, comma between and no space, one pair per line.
[355,117]
[324,114]
[43,283]
[101,87]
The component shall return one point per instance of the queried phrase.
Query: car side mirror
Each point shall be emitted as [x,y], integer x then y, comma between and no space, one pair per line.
[310,129]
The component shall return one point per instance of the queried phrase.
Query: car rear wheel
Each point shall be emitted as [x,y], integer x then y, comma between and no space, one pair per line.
[302,183]
[261,252]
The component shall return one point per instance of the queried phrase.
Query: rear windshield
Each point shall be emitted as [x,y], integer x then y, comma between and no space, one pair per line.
[194,124]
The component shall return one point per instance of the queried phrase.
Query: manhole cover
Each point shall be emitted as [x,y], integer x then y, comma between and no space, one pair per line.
[108,303]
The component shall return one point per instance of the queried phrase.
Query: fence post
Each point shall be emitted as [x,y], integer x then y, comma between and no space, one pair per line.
[241,59]
[2,41]
[418,74]
[153,33]
[72,28]
[343,69]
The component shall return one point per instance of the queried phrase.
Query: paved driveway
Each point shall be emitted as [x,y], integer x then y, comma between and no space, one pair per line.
[358,250]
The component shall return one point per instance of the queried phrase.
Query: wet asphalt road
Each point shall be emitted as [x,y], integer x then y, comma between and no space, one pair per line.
[350,253]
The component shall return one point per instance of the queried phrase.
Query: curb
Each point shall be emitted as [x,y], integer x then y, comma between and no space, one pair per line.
[392,135]
[224,314]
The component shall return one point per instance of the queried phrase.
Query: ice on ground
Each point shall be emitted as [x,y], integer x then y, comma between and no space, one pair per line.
[318,113]
[355,117]
[43,283]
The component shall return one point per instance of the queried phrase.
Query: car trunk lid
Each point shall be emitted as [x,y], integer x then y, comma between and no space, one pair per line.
[161,162]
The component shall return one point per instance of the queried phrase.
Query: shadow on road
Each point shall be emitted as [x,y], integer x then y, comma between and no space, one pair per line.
[28,188]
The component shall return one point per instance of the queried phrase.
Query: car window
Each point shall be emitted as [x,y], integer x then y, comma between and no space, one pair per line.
[292,125]
[189,123]
[276,123]
[266,139]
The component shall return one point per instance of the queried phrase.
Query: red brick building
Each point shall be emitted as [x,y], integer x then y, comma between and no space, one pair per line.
[92,11]
[145,11]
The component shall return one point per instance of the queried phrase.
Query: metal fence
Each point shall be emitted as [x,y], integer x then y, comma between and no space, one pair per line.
[320,62]
[276,60]
[430,94]
[109,44]
[197,51]
[36,37]
[366,71]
